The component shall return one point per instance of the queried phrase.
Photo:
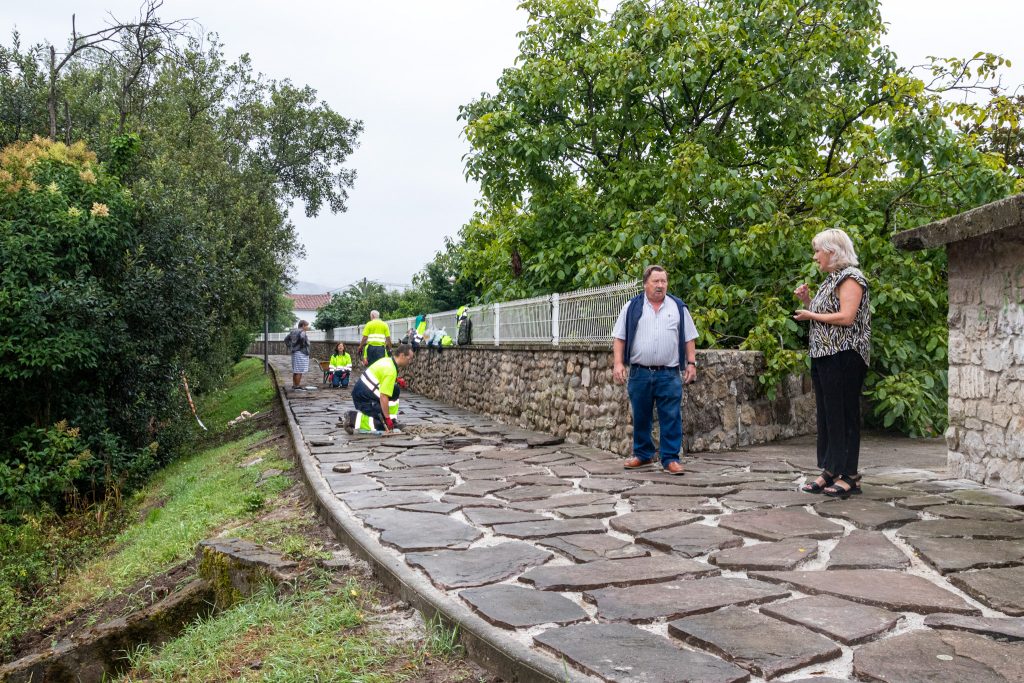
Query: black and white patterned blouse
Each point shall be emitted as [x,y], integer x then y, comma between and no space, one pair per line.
[827,339]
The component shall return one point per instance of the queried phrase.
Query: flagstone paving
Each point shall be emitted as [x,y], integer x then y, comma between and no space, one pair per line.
[727,573]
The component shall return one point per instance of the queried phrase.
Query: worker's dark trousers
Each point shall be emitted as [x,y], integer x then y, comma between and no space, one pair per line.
[374,354]
[367,403]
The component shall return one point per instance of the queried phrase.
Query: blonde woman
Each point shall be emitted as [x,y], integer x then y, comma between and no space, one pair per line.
[840,350]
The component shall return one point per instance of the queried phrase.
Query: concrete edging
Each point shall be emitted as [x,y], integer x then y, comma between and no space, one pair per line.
[484,643]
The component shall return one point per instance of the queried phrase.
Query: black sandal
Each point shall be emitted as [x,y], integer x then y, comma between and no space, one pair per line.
[815,487]
[854,483]
[837,491]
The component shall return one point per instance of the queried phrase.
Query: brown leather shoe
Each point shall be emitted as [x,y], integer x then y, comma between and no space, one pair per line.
[675,468]
[636,463]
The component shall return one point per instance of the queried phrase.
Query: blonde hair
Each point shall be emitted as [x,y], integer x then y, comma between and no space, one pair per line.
[839,245]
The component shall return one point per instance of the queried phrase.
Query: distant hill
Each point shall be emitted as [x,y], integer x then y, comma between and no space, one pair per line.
[308,288]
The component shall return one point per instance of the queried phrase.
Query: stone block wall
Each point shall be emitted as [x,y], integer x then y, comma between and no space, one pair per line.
[986,358]
[570,392]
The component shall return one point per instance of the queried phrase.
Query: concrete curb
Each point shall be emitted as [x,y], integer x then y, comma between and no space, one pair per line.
[484,643]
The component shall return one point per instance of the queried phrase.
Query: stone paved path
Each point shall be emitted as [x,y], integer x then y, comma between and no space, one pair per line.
[724,574]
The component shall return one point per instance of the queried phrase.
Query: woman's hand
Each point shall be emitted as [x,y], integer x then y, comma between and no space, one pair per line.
[803,314]
[803,292]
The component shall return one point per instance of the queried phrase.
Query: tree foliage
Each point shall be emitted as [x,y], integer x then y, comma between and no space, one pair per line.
[717,138]
[154,246]
[352,306]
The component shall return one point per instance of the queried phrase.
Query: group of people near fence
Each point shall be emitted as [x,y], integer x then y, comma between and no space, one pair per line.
[654,353]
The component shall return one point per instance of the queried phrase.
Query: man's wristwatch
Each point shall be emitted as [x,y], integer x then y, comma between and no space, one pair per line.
[693,363]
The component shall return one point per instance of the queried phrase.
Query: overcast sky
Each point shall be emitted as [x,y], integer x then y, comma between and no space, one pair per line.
[403,67]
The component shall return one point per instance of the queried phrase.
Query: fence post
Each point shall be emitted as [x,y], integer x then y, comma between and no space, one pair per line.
[497,323]
[554,319]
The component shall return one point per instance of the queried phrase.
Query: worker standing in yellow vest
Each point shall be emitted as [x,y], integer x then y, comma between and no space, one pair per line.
[376,341]
[377,393]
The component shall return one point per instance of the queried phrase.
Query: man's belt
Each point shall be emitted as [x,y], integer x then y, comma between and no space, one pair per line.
[656,367]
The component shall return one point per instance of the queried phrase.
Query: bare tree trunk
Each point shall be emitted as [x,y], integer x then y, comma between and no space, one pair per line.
[67,124]
[51,100]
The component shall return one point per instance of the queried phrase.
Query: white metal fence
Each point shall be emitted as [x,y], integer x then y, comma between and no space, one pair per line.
[582,317]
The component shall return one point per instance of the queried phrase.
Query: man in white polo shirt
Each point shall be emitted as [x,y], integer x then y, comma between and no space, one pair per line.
[654,334]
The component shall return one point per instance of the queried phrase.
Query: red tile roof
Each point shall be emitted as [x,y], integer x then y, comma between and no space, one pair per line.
[309,302]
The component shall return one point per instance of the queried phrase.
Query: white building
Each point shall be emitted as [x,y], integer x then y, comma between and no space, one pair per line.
[305,306]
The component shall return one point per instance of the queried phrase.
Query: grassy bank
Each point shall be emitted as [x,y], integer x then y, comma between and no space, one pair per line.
[328,626]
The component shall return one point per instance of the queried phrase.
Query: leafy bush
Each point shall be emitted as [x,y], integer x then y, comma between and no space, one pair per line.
[43,465]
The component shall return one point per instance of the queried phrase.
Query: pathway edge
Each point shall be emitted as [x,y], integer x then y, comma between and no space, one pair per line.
[508,659]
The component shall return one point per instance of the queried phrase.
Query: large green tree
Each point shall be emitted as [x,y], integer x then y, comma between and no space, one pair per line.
[196,162]
[716,138]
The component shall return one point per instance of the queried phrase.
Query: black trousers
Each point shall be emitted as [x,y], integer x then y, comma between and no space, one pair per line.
[838,380]
[367,403]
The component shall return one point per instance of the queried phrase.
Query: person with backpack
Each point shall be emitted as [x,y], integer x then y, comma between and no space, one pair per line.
[297,344]
[655,335]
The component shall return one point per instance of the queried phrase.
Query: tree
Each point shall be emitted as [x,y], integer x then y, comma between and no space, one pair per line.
[196,162]
[138,41]
[717,138]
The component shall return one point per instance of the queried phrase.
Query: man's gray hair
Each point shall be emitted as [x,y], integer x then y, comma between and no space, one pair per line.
[653,269]
[837,243]
[374,315]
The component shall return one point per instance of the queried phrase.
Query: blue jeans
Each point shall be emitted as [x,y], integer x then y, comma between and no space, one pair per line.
[664,389]
[340,378]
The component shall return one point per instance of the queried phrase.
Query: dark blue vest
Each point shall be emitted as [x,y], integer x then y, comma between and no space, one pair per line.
[636,309]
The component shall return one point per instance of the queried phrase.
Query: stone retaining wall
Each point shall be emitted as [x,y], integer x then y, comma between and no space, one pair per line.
[986,358]
[569,392]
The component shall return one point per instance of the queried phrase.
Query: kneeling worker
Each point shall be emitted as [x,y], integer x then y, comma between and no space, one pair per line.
[376,393]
